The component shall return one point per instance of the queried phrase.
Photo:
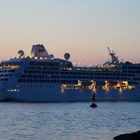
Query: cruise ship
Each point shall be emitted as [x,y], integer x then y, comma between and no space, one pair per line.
[41,77]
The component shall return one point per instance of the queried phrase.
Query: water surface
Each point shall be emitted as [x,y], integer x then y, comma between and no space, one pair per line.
[67,121]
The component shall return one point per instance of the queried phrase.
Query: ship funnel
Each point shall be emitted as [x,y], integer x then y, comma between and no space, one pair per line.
[39,51]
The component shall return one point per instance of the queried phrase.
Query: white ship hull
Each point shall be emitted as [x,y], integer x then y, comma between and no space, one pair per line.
[53,93]
[44,78]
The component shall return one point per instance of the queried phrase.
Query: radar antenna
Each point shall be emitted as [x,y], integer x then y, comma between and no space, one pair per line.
[110,53]
[114,58]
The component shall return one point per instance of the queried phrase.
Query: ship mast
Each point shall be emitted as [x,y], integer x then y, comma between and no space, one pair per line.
[114,58]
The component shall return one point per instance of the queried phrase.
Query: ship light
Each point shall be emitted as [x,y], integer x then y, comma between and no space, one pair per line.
[63,86]
[14,67]
[120,90]
[131,87]
[35,57]
[93,89]
[125,82]
[79,83]
[8,90]
[14,90]
[107,89]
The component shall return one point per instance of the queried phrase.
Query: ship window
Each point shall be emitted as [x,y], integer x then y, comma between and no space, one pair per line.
[33,81]
[4,79]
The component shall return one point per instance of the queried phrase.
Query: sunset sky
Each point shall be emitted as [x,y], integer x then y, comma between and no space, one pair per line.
[84,28]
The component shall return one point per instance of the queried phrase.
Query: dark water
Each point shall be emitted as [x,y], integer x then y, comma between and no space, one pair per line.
[67,121]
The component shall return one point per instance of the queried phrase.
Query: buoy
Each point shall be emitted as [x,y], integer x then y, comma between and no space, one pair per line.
[93,105]
[93,98]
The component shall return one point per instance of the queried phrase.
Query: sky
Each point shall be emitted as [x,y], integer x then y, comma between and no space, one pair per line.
[84,28]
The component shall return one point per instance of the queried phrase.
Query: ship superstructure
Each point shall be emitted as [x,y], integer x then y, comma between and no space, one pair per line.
[42,77]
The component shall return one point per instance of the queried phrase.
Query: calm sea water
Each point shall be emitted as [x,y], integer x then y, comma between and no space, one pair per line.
[67,121]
